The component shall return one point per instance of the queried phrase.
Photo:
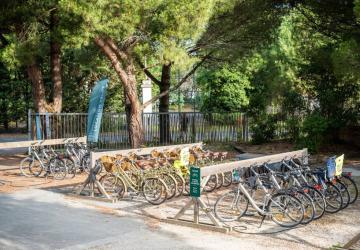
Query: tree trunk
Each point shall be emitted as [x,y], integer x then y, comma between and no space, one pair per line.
[127,77]
[164,104]
[38,89]
[135,125]
[55,51]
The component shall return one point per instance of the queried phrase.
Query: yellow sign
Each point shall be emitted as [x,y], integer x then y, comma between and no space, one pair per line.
[184,156]
[339,164]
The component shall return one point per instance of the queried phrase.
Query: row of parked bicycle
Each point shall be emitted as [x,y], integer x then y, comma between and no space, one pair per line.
[159,176]
[292,193]
[68,162]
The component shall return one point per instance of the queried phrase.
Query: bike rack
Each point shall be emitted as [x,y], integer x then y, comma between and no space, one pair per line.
[206,172]
[93,182]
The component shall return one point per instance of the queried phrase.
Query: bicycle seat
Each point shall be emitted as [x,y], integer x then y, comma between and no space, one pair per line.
[146,164]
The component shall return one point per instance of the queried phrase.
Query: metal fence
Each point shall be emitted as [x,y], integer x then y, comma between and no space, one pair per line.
[159,128]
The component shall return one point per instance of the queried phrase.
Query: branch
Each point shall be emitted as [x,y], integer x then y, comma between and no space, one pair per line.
[178,85]
[129,42]
[111,54]
[121,54]
[147,72]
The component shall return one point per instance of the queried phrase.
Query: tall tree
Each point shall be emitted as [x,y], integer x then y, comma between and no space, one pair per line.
[33,30]
[127,31]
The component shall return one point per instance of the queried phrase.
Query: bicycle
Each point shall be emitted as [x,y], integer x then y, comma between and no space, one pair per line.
[283,209]
[118,182]
[297,191]
[40,160]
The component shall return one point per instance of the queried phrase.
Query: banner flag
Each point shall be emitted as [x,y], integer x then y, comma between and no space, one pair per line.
[95,111]
[38,127]
[47,124]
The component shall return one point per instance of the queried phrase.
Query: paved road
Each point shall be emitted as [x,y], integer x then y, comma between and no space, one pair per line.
[39,219]
[44,220]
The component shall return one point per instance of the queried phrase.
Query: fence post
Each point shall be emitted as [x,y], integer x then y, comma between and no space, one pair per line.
[29,129]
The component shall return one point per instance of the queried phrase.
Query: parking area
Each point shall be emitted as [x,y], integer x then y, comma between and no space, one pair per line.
[50,218]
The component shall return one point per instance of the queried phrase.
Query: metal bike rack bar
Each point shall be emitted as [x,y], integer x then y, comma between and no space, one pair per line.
[23,144]
[206,172]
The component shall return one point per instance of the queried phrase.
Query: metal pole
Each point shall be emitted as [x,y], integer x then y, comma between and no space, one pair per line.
[196,210]
[29,129]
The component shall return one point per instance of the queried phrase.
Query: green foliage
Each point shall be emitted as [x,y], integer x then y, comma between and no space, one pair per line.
[223,90]
[263,128]
[313,132]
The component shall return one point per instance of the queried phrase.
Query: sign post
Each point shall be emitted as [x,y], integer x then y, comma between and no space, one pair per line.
[195,180]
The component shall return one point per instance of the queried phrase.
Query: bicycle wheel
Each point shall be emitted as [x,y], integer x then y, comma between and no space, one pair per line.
[211,183]
[187,186]
[333,198]
[351,187]
[308,204]
[180,182]
[154,190]
[25,166]
[85,163]
[344,193]
[70,166]
[170,182]
[285,210]
[113,185]
[220,180]
[319,202]
[228,179]
[231,206]
[35,167]
[57,168]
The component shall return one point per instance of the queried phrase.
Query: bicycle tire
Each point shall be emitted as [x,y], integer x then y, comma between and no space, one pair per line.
[36,168]
[220,180]
[70,166]
[319,202]
[25,167]
[296,204]
[113,185]
[152,183]
[85,163]
[211,183]
[180,184]
[57,169]
[344,193]
[333,192]
[352,188]
[309,206]
[223,207]
[171,184]
[228,179]
[187,186]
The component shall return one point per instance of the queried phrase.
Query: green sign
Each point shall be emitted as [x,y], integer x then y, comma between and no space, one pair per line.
[195,178]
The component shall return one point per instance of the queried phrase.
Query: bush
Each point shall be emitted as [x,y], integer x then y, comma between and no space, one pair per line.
[313,132]
[293,128]
[263,128]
